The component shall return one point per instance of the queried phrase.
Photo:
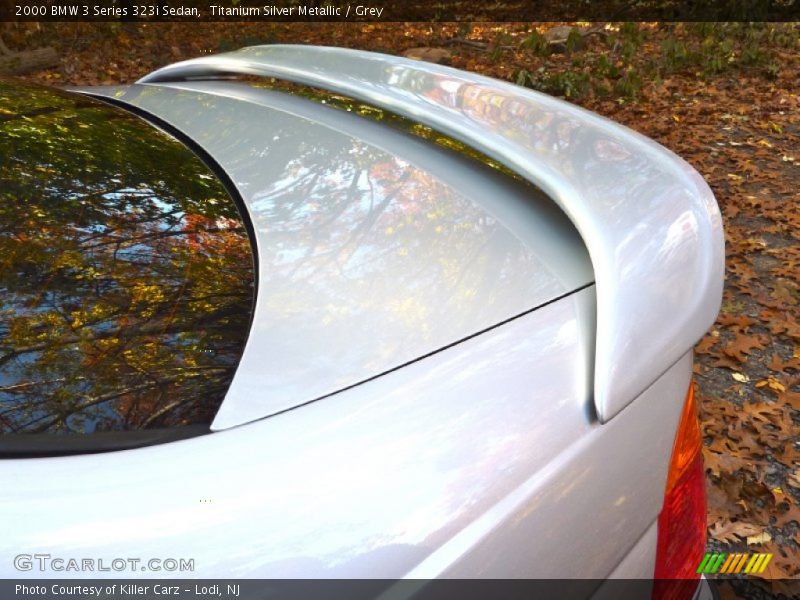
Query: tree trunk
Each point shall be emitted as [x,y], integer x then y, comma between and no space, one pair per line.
[15,63]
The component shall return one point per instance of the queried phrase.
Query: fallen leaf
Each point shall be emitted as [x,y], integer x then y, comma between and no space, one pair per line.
[732,532]
[743,345]
[761,538]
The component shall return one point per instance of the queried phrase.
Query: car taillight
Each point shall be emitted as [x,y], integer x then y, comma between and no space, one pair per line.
[682,522]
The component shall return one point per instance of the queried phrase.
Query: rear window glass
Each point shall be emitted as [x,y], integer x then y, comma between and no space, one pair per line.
[126,272]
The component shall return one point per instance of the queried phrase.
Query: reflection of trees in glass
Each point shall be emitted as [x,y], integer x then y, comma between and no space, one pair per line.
[125,271]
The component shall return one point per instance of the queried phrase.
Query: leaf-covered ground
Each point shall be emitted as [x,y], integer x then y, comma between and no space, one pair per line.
[724,97]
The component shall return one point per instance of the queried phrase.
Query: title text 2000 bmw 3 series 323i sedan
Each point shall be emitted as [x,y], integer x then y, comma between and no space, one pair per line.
[349,316]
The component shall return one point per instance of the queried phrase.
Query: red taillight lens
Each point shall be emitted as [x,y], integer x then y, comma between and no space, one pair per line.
[682,522]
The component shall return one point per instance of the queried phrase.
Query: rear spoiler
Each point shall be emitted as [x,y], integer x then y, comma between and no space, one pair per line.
[650,223]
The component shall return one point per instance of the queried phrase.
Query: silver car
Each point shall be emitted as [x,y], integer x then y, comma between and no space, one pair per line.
[308,312]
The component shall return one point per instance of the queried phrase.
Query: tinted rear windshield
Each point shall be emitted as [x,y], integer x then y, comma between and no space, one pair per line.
[126,273]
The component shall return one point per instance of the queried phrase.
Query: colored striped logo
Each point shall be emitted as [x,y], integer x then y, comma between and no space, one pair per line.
[734,563]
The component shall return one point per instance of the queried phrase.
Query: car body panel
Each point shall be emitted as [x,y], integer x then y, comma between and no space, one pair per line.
[651,224]
[483,460]
[480,442]
[374,247]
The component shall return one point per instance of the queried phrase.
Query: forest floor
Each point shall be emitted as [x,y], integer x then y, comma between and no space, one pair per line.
[722,96]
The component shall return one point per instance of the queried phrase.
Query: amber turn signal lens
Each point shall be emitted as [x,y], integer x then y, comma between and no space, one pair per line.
[688,441]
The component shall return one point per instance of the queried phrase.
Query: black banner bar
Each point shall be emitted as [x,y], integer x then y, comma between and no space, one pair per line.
[386,589]
[396,10]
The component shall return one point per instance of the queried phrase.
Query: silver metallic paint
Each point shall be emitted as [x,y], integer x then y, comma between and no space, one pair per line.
[633,571]
[640,562]
[650,222]
[425,249]
[478,461]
